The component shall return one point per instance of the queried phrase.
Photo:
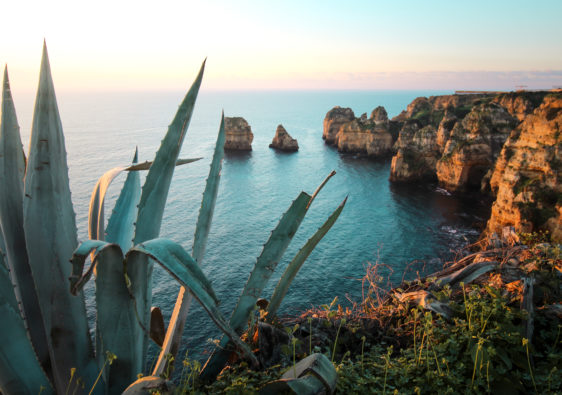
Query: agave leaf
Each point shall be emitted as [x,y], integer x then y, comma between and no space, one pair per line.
[159,178]
[153,199]
[50,231]
[116,322]
[96,210]
[267,262]
[78,278]
[185,270]
[146,165]
[20,371]
[157,326]
[295,265]
[313,375]
[265,265]
[120,227]
[116,319]
[12,170]
[183,301]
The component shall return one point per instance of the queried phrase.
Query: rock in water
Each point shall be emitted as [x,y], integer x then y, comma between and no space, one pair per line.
[365,136]
[239,134]
[283,141]
[335,118]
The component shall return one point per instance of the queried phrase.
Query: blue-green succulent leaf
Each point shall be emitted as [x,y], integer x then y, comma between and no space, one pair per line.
[12,170]
[183,301]
[78,278]
[116,322]
[313,375]
[121,225]
[297,262]
[20,371]
[153,199]
[159,177]
[96,211]
[50,231]
[267,262]
[185,270]
[265,265]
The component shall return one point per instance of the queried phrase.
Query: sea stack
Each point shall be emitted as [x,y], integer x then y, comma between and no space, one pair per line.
[283,141]
[239,134]
[365,136]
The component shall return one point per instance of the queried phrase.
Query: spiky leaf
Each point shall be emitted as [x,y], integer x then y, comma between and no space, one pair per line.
[12,170]
[96,210]
[116,320]
[20,371]
[265,265]
[50,230]
[183,301]
[159,177]
[297,262]
[185,270]
[120,227]
[153,199]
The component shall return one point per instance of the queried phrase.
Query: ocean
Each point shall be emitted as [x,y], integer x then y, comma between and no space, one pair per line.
[413,227]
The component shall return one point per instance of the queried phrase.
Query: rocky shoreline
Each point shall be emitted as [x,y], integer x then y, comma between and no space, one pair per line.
[507,145]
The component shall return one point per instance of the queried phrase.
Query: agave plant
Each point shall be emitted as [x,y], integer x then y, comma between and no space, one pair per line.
[47,346]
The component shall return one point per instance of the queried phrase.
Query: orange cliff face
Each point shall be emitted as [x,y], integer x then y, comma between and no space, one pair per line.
[425,129]
[526,177]
[473,147]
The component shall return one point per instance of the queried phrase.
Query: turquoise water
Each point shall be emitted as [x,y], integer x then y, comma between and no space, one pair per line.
[400,226]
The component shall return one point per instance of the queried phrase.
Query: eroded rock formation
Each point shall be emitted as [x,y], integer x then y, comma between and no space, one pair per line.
[334,119]
[283,141]
[506,144]
[425,128]
[369,136]
[526,178]
[239,134]
[473,147]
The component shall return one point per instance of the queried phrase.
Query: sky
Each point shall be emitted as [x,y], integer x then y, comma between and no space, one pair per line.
[291,44]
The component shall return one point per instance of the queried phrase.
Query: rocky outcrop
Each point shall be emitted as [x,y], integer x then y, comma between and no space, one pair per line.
[239,135]
[283,141]
[425,128]
[369,136]
[417,153]
[526,178]
[334,119]
[473,147]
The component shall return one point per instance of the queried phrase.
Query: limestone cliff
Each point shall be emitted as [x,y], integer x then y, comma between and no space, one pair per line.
[239,134]
[334,119]
[283,141]
[417,153]
[473,147]
[425,129]
[526,178]
[369,136]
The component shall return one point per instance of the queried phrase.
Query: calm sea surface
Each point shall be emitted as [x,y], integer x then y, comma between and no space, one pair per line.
[410,225]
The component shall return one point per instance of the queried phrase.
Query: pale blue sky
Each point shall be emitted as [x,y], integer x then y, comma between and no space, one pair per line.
[288,44]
